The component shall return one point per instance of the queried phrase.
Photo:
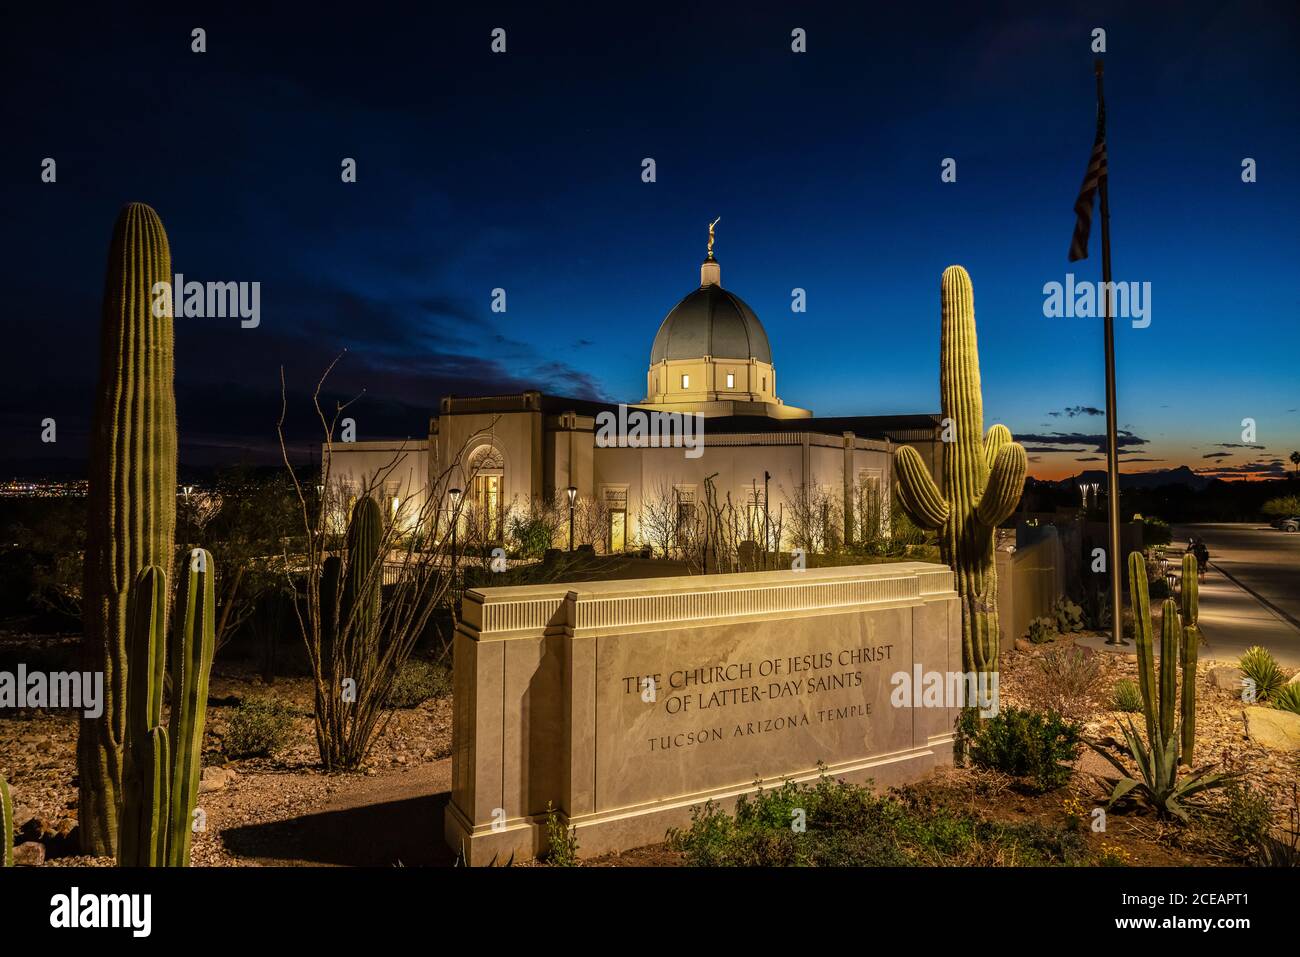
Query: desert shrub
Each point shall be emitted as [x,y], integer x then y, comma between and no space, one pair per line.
[1041,630]
[834,824]
[1156,531]
[1069,616]
[532,534]
[416,682]
[1261,668]
[1022,742]
[1246,819]
[1063,680]
[1127,696]
[1287,698]
[561,842]
[259,728]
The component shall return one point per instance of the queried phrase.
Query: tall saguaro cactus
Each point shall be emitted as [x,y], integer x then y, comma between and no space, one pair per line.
[132,496]
[982,477]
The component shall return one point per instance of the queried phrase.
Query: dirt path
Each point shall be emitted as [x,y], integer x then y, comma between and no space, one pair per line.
[303,820]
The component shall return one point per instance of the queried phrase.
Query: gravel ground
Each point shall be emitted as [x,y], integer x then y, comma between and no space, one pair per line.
[410,762]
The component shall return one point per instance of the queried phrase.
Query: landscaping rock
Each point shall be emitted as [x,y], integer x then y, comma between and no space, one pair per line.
[1279,730]
[214,779]
[1295,679]
[35,829]
[1225,678]
[29,854]
[1024,645]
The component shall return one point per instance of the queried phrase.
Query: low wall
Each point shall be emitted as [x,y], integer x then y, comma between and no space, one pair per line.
[626,703]
[1030,580]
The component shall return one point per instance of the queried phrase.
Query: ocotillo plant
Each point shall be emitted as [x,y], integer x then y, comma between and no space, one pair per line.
[162,769]
[131,516]
[6,824]
[1179,638]
[982,477]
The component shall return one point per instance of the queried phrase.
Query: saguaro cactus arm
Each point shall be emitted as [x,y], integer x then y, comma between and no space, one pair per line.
[917,490]
[999,436]
[193,644]
[1006,480]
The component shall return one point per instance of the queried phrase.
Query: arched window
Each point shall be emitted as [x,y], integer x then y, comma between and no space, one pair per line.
[486,470]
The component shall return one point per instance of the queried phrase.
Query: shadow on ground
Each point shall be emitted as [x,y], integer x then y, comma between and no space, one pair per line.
[405,833]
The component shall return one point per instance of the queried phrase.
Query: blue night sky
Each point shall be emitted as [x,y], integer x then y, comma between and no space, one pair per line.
[523,171]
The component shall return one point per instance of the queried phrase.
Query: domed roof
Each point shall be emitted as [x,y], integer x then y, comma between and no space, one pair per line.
[711,322]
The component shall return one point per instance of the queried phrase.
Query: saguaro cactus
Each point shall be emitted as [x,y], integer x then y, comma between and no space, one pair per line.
[6,824]
[361,588]
[1179,638]
[132,496]
[982,477]
[162,769]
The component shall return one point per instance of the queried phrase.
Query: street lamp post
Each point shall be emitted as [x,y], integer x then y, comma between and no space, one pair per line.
[573,493]
[454,495]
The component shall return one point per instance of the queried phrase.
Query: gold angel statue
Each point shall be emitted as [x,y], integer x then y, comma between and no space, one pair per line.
[711,225]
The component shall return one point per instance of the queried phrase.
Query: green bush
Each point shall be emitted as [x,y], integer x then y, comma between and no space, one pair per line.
[532,534]
[1155,531]
[562,842]
[1027,744]
[259,728]
[835,824]
[1127,696]
[1041,630]
[416,682]
[1247,817]
[1287,698]
[1283,507]
[1261,668]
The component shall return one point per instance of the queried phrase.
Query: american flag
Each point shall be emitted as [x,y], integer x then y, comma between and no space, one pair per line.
[1091,179]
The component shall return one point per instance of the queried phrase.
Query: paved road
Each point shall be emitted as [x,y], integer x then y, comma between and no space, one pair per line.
[1251,595]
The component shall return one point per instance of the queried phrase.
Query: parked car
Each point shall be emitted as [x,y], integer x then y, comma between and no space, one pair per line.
[1291,525]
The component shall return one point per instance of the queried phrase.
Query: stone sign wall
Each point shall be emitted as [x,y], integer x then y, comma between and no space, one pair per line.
[624,704]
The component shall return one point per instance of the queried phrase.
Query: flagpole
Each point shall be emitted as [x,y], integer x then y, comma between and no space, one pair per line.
[1115,560]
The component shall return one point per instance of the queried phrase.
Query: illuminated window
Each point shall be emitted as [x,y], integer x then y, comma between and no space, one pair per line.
[686,382]
[731,380]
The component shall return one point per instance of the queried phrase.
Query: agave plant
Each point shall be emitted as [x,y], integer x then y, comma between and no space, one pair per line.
[1157,781]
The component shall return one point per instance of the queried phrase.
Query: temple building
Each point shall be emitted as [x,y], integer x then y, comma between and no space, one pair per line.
[711,411]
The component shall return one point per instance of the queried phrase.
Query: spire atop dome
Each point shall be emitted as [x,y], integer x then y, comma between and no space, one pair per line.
[710,271]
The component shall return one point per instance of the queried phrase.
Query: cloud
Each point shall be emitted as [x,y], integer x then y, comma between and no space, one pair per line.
[1250,468]
[1237,445]
[1217,455]
[1077,410]
[1058,441]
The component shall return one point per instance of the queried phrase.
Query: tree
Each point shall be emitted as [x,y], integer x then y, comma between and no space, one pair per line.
[1284,506]
[1295,460]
